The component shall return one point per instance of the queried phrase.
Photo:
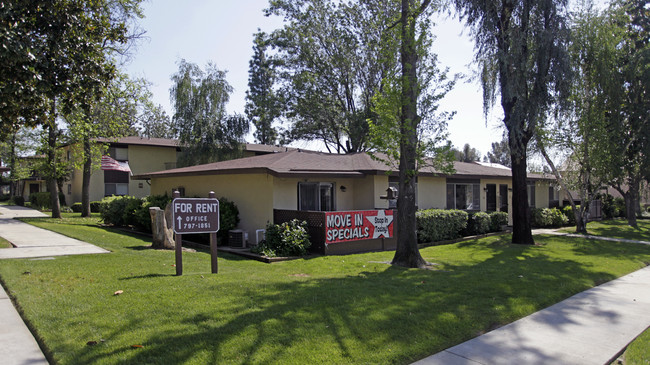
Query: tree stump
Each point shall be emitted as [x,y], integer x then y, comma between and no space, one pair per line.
[163,234]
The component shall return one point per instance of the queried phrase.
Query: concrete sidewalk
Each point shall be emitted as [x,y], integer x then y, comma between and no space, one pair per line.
[18,346]
[591,327]
[31,241]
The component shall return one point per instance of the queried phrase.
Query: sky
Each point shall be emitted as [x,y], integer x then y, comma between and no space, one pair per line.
[222,31]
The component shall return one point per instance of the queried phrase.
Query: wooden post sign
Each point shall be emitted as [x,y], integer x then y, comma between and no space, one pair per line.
[195,215]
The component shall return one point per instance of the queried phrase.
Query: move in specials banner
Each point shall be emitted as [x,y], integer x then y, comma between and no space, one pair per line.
[358,225]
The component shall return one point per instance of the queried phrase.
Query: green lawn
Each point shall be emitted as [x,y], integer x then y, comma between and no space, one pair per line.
[4,243]
[332,309]
[617,228]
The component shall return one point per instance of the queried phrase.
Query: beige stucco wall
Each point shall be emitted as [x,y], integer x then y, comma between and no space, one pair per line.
[380,184]
[142,159]
[541,194]
[432,192]
[357,195]
[252,193]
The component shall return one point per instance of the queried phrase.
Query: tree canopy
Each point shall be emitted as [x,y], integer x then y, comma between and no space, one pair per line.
[331,59]
[205,129]
[521,55]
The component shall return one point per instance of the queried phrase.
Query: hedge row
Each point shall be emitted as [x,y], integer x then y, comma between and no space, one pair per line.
[94,207]
[447,224]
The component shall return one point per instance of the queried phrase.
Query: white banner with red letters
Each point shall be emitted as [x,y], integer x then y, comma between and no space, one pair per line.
[358,225]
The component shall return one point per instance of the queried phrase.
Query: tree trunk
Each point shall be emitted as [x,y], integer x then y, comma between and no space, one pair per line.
[521,232]
[51,160]
[630,211]
[85,187]
[12,164]
[407,253]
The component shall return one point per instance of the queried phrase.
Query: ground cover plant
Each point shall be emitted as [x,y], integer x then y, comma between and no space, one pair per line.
[331,309]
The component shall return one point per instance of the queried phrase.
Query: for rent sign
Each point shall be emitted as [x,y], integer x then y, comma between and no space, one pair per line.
[195,215]
[358,225]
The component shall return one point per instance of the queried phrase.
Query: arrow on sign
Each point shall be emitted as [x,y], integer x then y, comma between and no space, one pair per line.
[179,219]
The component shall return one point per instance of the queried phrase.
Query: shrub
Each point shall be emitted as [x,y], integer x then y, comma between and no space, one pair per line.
[94,206]
[619,208]
[497,220]
[477,223]
[228,218]
[439,224]
[558,219]
[5,197]
[545,217]
[18,200]
[567,210]
[608,208]
[119,210]
[142,218]
[42,200]
[76,207]
[286,239]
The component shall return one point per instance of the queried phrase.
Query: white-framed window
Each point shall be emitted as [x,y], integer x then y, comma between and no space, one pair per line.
[116,189]
[464,196]
[116,183]
[317,196]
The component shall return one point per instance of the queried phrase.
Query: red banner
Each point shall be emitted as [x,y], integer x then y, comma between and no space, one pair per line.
[358,225]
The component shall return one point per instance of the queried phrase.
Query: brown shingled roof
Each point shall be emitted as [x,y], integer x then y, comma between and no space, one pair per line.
[164,142]
[302,163]
[142,141]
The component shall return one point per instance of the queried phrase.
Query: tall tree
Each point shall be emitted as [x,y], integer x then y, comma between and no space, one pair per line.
[263,106]
[520,50]
[59,47]
[155,123]
[500,152]
[406,252]
[331,58]
[206,131]
[581,128]
[629,121]
[467,154]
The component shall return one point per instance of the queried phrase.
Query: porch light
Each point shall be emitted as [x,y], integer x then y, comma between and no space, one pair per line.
[343,188]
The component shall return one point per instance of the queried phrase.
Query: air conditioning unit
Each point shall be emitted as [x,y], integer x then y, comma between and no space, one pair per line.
[237,238]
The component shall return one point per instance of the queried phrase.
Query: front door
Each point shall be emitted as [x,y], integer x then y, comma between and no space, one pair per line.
[503,197]
[34,188]
[491,197]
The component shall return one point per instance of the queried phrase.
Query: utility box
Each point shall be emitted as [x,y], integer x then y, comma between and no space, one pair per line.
[237,238]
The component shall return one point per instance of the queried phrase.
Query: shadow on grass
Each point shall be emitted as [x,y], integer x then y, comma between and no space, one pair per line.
[354,319]
[147,276]
[620,229]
